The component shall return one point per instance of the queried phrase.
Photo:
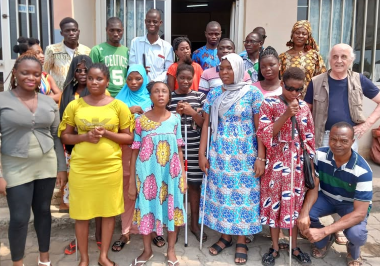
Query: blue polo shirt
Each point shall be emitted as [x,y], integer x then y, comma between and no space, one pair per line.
[352,181]
[338,99]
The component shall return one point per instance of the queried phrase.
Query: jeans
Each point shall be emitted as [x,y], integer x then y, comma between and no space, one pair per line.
[36,194]
[356,235]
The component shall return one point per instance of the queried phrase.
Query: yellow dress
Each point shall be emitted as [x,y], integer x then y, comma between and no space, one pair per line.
[96,173]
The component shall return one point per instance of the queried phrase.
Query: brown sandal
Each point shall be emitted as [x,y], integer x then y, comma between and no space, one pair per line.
[352,262]
[321,253]
[340,238]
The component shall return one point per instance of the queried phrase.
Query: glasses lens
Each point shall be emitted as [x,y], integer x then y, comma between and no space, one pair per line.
[292,89]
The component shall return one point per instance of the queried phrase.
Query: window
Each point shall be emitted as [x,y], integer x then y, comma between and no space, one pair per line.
[355,22]
[30,18]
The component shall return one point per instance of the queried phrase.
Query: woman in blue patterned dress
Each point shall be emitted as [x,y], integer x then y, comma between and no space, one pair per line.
[236,159]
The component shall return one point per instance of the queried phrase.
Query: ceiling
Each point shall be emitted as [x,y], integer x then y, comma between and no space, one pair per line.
[180,6]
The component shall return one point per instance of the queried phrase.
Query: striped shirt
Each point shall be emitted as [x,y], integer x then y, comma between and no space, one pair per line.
[196,100]
[352,181]
[210,79]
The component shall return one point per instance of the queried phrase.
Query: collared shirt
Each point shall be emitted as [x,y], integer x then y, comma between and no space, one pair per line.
[210,79]
[206,58]
[158,56]
[352,181]
[251,67]
[58,60]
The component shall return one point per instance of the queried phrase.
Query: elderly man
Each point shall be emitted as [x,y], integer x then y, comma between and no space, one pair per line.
[345,181]
[337,95]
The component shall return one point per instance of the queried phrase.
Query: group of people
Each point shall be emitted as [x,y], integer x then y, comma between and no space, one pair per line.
[116,121]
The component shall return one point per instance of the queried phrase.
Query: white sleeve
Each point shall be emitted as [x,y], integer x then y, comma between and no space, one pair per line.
[132,53]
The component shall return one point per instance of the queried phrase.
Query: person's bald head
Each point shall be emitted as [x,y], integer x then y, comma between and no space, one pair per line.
[213,33]
[341,58]
[153,21]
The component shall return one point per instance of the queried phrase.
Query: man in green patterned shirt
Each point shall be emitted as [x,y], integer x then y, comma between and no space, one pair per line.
[113,54]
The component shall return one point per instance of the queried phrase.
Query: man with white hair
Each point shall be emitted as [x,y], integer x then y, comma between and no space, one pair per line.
[337,96]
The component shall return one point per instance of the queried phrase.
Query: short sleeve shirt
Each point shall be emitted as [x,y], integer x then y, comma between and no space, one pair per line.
[207,58]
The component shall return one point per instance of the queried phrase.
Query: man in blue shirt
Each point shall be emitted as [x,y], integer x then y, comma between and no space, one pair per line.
[345,182]
[206,56]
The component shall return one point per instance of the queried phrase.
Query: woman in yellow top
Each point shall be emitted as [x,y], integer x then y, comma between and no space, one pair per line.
[96,173]
[304,53]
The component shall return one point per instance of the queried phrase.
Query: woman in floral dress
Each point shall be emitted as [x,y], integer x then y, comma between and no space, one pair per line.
[275,130]
[157,177]
[236,159]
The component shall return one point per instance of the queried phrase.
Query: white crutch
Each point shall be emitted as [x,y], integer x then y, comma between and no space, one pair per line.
[291,189]
[186,180]
[205,178]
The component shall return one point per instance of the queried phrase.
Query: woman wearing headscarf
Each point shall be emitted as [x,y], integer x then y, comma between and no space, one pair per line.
[236,159]
[304,53]
[136,96]
[75,88]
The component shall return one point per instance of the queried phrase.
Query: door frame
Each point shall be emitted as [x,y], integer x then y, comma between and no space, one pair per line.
[101,35]
[7,63]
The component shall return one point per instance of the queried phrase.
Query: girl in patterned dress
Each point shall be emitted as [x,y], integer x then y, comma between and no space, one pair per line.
[157,175]
[275,130]
[236,159]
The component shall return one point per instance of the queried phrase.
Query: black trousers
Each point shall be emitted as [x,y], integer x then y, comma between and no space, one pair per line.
[36,195]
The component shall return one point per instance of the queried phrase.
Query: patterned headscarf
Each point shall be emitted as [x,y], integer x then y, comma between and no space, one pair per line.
[310,43]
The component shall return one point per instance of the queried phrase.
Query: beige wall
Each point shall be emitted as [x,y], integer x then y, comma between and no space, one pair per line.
[276,16]
[84,12]
[366,140]
[62,9]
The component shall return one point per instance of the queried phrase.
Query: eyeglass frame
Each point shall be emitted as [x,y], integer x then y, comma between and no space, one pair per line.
[291,89]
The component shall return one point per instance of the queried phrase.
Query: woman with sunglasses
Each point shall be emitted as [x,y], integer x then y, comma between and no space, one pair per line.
[74,88]
[253,44]
[303,53]
[275,131]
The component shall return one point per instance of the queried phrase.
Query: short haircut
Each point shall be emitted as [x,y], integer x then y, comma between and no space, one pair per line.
[269,51]
[227,40]
[344,125]
[154,11]
[177,41]
[112,20]
[24,44]
[352,53]
[185,66]
[213,24]
[261,31]
[261,37]
[293,73]
[67,20]
[102,67]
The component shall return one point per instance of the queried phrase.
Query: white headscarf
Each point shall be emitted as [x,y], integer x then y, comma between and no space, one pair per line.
[233,93]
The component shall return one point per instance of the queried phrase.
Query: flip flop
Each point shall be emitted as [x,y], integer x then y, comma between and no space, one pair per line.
[99,244]
[322,252]
[70,248]
[141,261]
[173,263]
[113,263]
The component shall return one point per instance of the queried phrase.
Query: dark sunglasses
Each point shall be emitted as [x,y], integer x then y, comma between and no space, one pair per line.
[292,89]
[81,70]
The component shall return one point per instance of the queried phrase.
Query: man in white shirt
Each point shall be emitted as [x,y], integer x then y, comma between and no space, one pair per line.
[151,51]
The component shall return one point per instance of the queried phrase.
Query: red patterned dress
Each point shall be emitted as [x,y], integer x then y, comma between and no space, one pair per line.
[275,183]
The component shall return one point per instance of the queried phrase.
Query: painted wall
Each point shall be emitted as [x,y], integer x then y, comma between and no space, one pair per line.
[277,17]
[61,9]
[84,12]
[366,140]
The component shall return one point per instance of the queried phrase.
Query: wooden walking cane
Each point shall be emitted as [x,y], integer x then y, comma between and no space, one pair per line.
[205,178]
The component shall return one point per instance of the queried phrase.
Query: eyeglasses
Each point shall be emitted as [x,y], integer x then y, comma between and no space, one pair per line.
[251,42]
[292,89]
[81,70]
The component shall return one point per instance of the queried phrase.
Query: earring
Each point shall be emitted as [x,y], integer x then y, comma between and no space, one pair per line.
[152,105]
[307,42]
[15,81]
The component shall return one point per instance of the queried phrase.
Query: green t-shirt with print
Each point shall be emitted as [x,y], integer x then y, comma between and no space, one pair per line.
[116,59]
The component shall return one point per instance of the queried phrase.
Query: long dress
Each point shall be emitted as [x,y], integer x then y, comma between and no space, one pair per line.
[275,183]
[233,192]
[96,172]
[159,182]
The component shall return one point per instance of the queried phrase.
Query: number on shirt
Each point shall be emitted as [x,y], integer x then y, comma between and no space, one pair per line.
[117,77]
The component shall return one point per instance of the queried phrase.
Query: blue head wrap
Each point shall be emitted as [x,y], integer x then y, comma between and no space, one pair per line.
[140,97]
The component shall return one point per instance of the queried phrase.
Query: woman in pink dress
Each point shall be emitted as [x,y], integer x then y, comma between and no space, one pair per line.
[275,131]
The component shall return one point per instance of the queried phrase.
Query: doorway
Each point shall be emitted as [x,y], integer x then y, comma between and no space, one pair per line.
[190,17]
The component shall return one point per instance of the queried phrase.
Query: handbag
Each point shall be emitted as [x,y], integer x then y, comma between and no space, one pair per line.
[307,169]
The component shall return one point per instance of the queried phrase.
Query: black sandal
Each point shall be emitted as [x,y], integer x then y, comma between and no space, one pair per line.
[239,255]
[302,258]
[268,258]
[158,239]
[218,248]
[198,236]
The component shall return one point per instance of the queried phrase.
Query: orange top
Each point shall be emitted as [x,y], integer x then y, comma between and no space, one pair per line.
[196,79]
